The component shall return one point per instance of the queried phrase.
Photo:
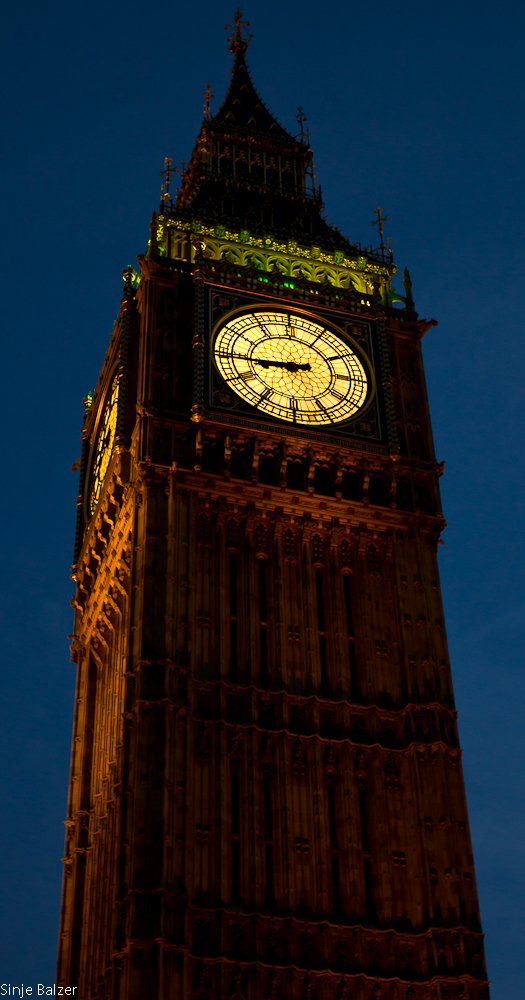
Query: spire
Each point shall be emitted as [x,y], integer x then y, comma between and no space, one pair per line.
[242,107]
[246,171]
[208,97]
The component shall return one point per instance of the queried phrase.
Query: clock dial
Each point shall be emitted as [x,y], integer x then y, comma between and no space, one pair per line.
[104,446]
[290,367]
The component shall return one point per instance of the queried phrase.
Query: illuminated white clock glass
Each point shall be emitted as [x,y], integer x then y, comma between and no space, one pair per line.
[290,367]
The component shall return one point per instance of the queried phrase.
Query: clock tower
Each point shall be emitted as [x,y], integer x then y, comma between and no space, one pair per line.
[266,796]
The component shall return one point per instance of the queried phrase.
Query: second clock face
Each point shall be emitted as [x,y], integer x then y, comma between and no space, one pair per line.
[290,367]
[104,445]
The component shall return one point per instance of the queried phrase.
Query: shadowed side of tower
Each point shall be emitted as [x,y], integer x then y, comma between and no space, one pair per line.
[266,796]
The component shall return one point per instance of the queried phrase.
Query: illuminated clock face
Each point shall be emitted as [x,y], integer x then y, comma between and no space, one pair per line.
[104,446]
[290,367]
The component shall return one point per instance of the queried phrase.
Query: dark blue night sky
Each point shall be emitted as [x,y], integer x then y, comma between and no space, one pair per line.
[416,107]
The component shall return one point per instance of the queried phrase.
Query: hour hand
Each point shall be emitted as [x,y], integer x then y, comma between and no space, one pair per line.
[289,366]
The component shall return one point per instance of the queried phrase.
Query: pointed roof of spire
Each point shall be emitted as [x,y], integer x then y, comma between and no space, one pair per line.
[242,107]
[247,172]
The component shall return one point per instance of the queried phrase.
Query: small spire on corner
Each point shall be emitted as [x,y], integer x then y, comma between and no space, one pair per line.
[208,96]
[407,284]
[301,118]
[165,188]
[153,246]
[379,223]
[239,38]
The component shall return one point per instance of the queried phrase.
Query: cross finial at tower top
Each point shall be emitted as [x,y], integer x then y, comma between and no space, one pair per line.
[239,37]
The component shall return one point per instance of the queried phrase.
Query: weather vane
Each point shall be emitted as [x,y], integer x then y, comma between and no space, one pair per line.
[239,37]
[379,223]
[167,174]
[208,96]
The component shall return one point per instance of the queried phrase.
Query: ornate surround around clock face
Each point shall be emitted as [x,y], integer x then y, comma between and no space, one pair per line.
[105,439]
[291,367]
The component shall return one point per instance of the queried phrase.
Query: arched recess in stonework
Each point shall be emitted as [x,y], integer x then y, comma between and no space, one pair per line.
[361,284]
[323,480]
[240,464]
[303,268]
[423,498]
[404,494]
[377,492]
[345,279]
[268,471]
[257,260]
[350,485]
[282,264]
[232,255]
[212,456]
[324,274]
[295,474]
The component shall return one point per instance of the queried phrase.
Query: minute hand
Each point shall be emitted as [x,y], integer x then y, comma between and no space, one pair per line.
[290,366]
